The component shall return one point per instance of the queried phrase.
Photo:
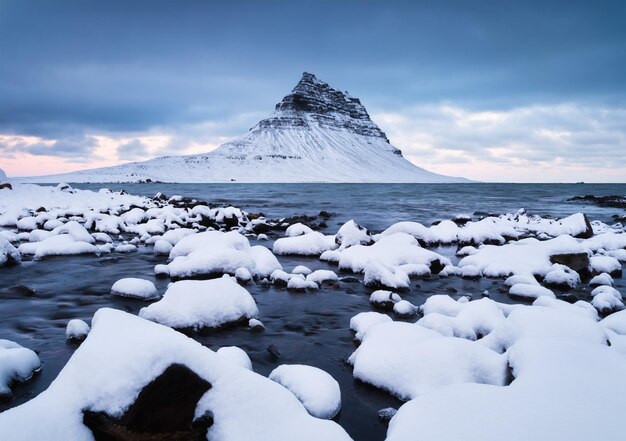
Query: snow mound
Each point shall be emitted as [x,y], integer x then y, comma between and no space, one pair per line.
[202,303]
[236,356]
[61,245]
[553,377]
[316,389]
[16,364]
[135,288]
[530,291]
[308,244]
[76,329]
[124,353]
[363,321]
[409,360]
[8,253]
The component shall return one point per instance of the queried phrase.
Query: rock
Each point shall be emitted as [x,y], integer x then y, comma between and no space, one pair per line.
[588,231]
[386,414]
[274,352]
[261,228]
[6,185]
[576,261]
[614,201]
[163,410]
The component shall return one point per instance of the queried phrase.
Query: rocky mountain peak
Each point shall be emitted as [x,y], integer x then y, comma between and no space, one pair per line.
[314,100]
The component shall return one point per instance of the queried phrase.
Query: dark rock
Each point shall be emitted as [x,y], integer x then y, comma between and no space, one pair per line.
[613,201]
[386,414]
[261,228]
[163,410]
[23,290]
[231,222]
[325,214]
[436,266]
[588,230]
[576,261]
[274,352]
[41,210]
[6,185]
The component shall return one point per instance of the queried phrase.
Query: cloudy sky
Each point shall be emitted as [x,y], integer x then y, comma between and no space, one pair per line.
[490,90]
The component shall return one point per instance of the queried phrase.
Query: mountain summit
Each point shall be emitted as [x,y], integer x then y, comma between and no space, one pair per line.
[315,134]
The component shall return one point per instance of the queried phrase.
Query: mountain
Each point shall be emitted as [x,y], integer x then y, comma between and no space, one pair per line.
[315,134]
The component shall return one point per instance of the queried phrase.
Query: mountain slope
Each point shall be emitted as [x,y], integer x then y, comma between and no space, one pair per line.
[315,134]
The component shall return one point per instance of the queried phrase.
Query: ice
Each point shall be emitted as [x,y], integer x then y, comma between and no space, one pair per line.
[409,360]
[16,364]
[135,288]
[202,303]
[363,321]
[235,356]
[316,389]
[309,244]
[530,291]
[123,353]
[76,329]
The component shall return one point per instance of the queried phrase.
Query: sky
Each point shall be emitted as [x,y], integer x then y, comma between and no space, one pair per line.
[521,91]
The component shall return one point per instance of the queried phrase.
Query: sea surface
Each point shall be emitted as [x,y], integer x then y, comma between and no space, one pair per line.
[307,328]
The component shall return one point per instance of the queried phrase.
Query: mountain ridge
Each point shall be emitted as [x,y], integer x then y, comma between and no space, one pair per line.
[316,133]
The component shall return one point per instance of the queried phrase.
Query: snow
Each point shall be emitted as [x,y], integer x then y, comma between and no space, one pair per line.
[301,269]
[530,291]
[243,275]
[300,283]
[384,299]
[216,252]
[61,245]
[409,360]
[318,392]
[297,229]
[363,321]
[125,248]
[320,276]
[601,279]
[202,303]
[76,330]
[379,274]
[162,247]
[309,244]
[352,233]
[8,253]
[543,322]
[605,264]
[123,353]
[235,356]
[135,288]
[526,256]
[556,379]
[16,364]
[562,276]
[3,176]
[607,299]
[318,148]
[405,308]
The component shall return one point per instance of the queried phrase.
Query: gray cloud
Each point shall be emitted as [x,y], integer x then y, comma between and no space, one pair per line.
[131,150]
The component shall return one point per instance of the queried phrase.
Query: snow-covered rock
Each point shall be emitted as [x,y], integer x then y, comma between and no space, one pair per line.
[236,356]
[352,233]
[76,329]
[16,364]
[135,288]
[202,303]
[61,245]
[316,389]
[363,321]
[528,291]
[309,244]
[8,253]
[320,276]
[409,360]
[124,353]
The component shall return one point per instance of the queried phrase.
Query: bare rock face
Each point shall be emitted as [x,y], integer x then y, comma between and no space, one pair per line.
[576,261]
[329,107]
[164,410]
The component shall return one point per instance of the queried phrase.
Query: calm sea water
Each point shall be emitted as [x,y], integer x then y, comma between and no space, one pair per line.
[311,328]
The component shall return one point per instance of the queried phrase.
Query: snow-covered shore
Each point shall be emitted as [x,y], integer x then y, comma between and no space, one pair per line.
[447,353]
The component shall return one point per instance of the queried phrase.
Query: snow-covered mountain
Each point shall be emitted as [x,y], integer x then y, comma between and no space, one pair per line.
[315,134]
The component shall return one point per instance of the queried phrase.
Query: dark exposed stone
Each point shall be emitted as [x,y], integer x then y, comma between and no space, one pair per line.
[23,290]
[6,185]
[603,201]
[274,352]
[325,214]
[588,230]
[576,261]
[261,228]
[163,410]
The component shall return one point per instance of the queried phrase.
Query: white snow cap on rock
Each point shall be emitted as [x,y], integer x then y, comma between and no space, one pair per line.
[202,303]
[313,243]
[236,356]
[124,353]
[76,329]
[135,288]
[16,364]
[316,389]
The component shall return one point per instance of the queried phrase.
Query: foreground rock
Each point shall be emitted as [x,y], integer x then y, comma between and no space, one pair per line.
[138,377]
